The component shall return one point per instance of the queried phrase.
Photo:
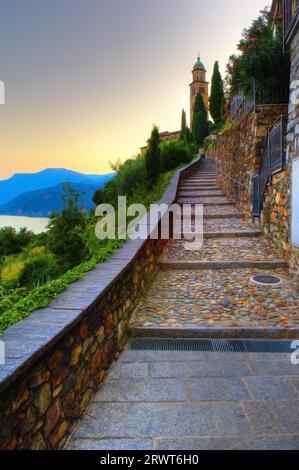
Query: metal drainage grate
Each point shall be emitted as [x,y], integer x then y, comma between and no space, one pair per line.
[212,345]
[266,280]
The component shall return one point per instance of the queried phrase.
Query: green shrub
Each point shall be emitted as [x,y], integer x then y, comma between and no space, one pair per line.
[19,308]
[175,153]
[11,271]
[131,174]
[7,300]
[12,242]
[66,232]
[39,270]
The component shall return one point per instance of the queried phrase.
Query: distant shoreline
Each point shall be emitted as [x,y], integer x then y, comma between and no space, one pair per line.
[35,224]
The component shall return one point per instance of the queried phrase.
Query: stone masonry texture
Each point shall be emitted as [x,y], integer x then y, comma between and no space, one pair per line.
[41,408]
[238,154]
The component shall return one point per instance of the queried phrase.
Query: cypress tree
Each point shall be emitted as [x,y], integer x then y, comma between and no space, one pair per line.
[152,157]
[217,95]
[183,126]
[189,136]
[200,128]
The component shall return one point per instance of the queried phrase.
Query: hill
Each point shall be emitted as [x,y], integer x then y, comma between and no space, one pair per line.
[42,202]
[48,178]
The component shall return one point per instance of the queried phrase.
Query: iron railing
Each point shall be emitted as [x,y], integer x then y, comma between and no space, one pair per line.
[236,103]
[232,179]
[273,160]
[241,105]
[290,14]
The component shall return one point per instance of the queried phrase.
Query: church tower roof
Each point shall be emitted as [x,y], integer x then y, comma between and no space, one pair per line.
[198,64]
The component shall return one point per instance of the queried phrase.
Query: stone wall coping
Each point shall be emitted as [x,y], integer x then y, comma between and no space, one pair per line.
[33,336]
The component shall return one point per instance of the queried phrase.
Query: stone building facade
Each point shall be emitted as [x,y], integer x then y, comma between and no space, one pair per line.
[291,28]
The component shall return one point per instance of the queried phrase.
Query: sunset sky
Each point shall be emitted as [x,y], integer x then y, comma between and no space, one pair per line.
[86,79]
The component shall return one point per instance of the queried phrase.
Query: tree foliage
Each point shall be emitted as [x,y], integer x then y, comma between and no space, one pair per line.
[152,157]
[260,59]
[183,125]
[217,95]
[66,231]
[200,127]
[12,242]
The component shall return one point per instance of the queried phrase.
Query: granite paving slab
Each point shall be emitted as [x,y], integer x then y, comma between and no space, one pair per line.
[202,404]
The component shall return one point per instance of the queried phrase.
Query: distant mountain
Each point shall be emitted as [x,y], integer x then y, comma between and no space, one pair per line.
[42,202]
[24,182]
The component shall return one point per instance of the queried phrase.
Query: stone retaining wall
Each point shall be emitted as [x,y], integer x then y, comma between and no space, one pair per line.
[57,357]
[239,151]
[238,154]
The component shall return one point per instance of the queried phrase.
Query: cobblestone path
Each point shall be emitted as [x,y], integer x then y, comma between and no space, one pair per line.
[212,287]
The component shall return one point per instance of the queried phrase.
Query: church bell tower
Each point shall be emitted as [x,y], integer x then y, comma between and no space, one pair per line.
[199,85]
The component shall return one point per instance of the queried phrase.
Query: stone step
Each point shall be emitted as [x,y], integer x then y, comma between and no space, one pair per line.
[203,174]
[214,332]
[203,193]
[200,181]
[221,265]
[233,225]
[221,252]
[214,202]
[198,187]
[219,215]
[201,177]
[207,235]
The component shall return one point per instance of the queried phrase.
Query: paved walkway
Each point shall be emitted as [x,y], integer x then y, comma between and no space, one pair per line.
[193,401]
[199,400]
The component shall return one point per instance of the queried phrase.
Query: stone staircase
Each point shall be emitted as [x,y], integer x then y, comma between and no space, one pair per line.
[210,291]
[156,398]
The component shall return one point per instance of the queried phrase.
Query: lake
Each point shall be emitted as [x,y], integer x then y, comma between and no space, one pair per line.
[35,224]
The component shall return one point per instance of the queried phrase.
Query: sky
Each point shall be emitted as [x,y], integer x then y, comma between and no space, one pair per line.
[85,80]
